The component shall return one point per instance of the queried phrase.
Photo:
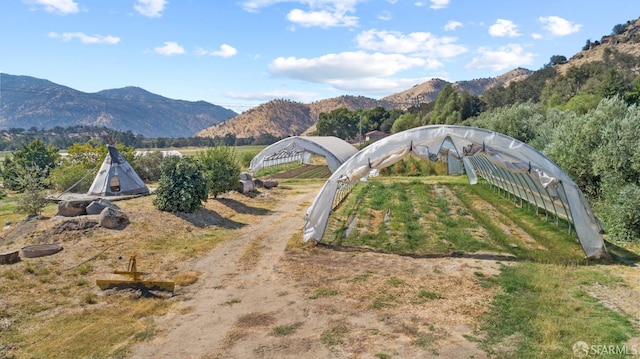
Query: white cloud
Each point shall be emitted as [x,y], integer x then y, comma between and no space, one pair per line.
[385,16]
[422,43]
[225,51]
[321,13]
[504,28]
[150,8]
[343,66]
[558,26]
[255,5]
[170,48]
[452,25]
[357,72]
[505,57]
[62,7]
[84,38]
[536,36]
[439,4]
[321,18]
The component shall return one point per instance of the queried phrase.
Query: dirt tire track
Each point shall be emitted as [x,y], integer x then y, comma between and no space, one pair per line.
[228,293]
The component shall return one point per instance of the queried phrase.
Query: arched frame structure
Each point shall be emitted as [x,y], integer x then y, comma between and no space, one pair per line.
[298,148]
[505,162]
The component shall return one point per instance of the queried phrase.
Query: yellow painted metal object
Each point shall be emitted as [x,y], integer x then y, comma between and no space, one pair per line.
[135,281]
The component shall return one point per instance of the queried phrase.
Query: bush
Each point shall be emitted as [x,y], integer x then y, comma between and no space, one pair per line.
[220,168]
[73,177]
[149,166]
[622,214]
[245,159]
[181,187]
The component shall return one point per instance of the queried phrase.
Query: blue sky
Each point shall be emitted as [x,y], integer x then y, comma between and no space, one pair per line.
[238,54]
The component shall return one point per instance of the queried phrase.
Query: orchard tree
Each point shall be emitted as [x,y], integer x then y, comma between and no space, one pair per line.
[181,187]
[220,169]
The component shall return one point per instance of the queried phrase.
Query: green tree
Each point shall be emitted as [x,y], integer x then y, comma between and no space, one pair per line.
[32,180]
[34,153]
[220,169]
[181,187]
[618,29]
[520,121]
[340,123]
[404,122]
[557,60]
[452,107]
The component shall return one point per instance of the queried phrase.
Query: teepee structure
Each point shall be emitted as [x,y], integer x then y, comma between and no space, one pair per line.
[116,177]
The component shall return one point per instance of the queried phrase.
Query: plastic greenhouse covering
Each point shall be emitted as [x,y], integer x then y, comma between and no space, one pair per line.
[300,149]
[511,165]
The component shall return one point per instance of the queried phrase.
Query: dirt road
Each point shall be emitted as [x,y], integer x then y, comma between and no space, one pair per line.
[237,300]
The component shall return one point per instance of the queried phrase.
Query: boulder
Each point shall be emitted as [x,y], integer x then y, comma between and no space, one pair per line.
[72,208]
[96,207]
[270,183]
[112,218]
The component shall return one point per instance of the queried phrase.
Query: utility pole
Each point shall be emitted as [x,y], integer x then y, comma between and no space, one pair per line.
[360,134]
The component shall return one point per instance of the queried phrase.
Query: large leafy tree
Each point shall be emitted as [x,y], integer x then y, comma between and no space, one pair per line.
[220,169]
[452,107]
[405,122]
[34,154]
[340,123]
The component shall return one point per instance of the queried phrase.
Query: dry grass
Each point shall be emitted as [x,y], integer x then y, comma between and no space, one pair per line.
[55,310]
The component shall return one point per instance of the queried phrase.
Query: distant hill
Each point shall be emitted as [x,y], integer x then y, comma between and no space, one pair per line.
[282,118]
[27,102]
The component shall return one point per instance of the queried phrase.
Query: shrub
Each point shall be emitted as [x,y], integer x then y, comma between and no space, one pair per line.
[149,166]
[622,214]
[74,177]
[181,187]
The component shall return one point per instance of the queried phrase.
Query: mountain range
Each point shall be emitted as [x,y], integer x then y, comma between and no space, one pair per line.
[27,102]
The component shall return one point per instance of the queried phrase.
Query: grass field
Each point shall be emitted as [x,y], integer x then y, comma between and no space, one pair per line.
[546,300]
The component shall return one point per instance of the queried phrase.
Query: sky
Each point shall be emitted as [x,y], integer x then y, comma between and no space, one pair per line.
[240,53]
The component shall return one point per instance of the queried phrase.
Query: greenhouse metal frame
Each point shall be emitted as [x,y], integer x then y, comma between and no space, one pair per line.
[517,169]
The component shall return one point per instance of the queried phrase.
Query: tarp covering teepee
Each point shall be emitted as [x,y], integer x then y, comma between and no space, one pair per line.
[116,177]
[503,161]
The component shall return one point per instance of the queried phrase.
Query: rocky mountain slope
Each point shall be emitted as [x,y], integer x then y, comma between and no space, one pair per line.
[276,119]
[282,118]
[27,102]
